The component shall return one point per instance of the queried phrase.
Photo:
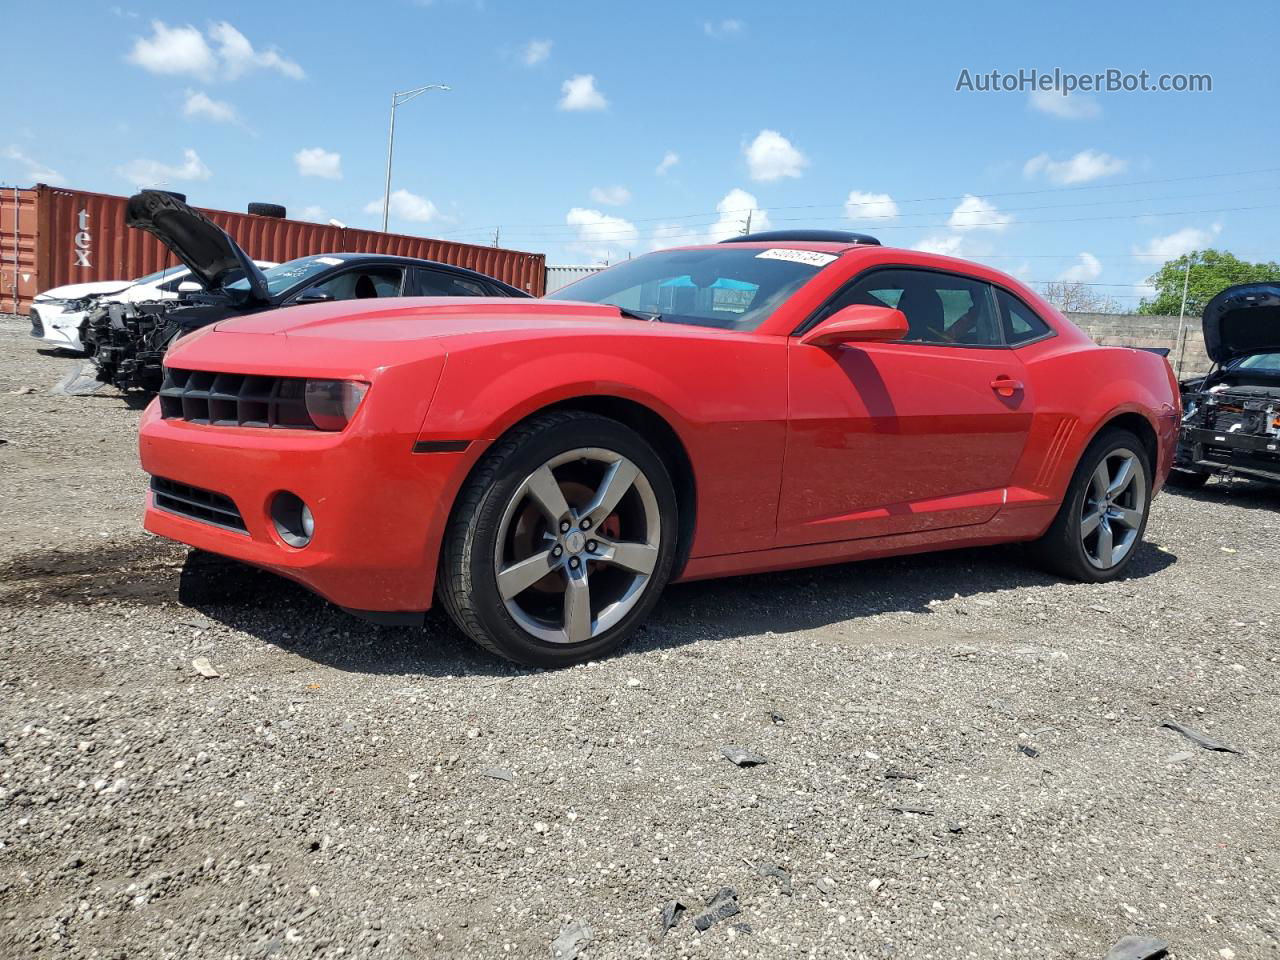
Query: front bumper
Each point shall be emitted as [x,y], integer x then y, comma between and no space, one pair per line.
[1229,453]
[54,324]
[380,510]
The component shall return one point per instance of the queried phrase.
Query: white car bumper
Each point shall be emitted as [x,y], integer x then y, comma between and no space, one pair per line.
[56,325]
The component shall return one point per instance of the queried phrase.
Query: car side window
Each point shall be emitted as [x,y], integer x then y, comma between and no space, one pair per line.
[437,283]
[360,284]
[941,308]
[1021,323]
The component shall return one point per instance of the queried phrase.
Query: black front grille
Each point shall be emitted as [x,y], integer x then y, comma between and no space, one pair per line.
[1222,421]
[234,399]
[37,325]
[205,505]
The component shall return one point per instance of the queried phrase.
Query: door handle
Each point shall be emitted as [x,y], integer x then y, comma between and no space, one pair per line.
[1006,386]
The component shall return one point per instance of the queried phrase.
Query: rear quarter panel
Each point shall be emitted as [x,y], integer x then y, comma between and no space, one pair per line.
[723,393]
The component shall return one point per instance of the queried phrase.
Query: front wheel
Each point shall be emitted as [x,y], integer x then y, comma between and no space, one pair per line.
[1104,513]
[561,541]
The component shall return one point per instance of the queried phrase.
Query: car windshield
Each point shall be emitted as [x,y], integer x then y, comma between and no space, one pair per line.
[161,274]
[290,274]
[1259,363]
[730,287]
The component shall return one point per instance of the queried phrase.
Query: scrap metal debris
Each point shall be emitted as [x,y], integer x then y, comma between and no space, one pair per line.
[1138,947]
[920,811]
[1025,750]
[1199,738]
[720,907]
[572,939]
[672,911]
[497,773]
[742,756]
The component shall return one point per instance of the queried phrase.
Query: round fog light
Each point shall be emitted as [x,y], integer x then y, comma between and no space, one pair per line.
[292,519]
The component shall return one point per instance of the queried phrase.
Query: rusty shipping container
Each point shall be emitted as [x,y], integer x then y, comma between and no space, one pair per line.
[50,236]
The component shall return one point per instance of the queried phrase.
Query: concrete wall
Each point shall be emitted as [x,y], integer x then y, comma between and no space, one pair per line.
[1131,330]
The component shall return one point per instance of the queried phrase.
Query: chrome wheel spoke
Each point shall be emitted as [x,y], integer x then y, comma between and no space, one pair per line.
[1100,482]
[1106,544]
[521,576]
[617,481]
[547,494]
[636,557]
[577,607]
[1124,476]
[1090,522]
[1131,519]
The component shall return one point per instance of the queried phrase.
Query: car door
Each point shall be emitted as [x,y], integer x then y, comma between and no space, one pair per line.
[917,434]
[364,282]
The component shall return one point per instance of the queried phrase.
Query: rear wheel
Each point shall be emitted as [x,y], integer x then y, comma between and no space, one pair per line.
[1104,514]
[561,541]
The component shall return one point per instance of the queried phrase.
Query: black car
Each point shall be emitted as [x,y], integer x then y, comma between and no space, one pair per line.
[1231,416]
[128,340]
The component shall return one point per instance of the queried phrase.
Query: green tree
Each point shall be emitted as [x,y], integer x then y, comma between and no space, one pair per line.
[1212,271]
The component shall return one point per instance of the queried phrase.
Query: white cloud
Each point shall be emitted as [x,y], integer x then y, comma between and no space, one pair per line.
[870,206]
[974,213]
[600,235]
[33,169]
[185,50]
[771,156]
[669,160]
[319,162]
[173,50]
[201,105]
[1170,246]
[316,214]
[535,51]
[406,206]
[611,196]
[719,29]
[580,93]
[948,245]
[1068,106]
[734,209]
[1084,166]
[153,173]
[239,57]
[1087,268]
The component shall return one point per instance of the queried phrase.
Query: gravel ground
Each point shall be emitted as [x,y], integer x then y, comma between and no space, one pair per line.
[965,757]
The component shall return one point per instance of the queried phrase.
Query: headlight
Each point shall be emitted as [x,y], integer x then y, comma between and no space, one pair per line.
[332,403]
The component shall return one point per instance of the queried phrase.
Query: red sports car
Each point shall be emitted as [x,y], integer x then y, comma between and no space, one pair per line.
[545,467]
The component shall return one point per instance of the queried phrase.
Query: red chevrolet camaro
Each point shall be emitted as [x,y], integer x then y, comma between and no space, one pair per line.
[545,467]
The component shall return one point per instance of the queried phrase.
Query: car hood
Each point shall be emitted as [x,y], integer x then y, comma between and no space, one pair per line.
[74,291]
[416,318]
[213,257]
[1241,320]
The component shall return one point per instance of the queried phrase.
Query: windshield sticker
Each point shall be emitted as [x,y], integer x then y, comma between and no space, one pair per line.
[329,261]
[811,258]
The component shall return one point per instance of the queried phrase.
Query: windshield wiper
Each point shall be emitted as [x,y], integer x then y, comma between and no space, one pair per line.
[638,315]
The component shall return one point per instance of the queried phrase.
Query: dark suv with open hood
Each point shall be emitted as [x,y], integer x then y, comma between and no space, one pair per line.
[1231,416]
[128,340]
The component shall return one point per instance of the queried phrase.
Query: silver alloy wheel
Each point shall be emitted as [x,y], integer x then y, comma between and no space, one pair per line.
[577,545]
[1114,505]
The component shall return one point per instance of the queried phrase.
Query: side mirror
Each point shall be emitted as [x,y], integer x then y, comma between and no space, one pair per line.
[859,323]
[315,296]
[189,286]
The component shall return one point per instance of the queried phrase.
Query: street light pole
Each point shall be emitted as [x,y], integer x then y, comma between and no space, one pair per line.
[396,100]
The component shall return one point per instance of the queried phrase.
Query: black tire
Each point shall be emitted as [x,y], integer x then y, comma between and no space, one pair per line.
[267,210]
[1187,479]
[1061,549]
[180,197]
[467,579]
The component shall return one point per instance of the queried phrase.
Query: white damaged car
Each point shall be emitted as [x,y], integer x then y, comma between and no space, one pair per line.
[58,315]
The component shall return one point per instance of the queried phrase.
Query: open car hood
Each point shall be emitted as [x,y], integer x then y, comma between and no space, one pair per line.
[1241,320]
[214,258]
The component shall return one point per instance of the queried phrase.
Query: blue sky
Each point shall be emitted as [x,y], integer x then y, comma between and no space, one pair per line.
[561,116]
